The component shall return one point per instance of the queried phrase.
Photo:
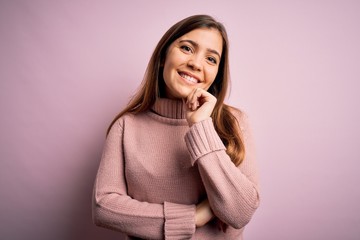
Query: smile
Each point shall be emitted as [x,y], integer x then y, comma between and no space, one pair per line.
[188,77]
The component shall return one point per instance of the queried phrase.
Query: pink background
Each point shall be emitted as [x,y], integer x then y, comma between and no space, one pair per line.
[67,67]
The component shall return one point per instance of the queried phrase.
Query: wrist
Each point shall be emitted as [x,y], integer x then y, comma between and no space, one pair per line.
[192,122]
[203,213]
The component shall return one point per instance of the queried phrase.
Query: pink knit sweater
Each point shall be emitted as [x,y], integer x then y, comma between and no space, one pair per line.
[155,169]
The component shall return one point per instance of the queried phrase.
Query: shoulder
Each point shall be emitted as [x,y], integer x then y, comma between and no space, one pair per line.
[131,119]
[120,121]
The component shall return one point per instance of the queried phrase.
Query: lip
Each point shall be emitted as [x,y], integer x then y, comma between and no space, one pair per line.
[189,74]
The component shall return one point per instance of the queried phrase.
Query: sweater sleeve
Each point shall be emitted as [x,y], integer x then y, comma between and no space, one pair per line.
[232,191]
[114,209]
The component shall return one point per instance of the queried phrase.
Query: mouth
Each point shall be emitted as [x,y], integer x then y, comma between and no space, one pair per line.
[188,77]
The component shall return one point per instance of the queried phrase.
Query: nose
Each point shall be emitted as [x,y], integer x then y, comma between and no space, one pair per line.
[195,63]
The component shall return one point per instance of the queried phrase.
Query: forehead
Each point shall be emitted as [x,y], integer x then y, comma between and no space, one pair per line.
[205,37]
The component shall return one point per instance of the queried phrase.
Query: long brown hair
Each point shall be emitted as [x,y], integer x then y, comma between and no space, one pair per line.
[153,85]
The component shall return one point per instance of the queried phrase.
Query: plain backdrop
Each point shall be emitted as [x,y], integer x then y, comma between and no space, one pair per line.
[68,67]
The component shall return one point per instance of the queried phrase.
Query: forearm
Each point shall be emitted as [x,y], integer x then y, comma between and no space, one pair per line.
[232,191]
[142,219]
[232,196]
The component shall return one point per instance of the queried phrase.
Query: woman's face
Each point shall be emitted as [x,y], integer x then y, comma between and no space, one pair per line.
[192,61]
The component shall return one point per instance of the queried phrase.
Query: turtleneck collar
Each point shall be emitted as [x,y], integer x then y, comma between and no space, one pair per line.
[169,108]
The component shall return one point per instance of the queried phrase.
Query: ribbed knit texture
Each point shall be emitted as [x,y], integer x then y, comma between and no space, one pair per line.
[203,139]
[155,169]
[177,218]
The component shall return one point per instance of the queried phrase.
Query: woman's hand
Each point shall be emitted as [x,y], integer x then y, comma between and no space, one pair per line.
[203,213]
[199,105]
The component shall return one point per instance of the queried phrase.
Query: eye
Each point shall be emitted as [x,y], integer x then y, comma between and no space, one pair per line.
[212,60]
[186,48]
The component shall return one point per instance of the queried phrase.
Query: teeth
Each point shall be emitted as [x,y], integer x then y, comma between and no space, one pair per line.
[187,77]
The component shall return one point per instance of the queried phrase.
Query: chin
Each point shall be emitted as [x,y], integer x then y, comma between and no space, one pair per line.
[178,96]
[183,93]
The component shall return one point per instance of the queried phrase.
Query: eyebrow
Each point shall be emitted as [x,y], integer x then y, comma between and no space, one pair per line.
[197,45]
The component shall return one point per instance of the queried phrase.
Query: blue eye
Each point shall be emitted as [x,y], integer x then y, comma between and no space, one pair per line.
[213,60]
[186,48]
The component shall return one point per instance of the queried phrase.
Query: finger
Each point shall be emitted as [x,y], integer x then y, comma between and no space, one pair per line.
[189,96]
[199,95]
[192,95]
[191,100]
[204,96]
[195,98]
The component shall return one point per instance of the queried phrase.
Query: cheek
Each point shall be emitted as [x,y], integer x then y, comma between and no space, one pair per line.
[168,67]
[169,59]
[211,75]
[166,71]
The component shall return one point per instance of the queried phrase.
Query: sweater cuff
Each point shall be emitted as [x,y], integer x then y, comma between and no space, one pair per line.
[179,220]
[202,139]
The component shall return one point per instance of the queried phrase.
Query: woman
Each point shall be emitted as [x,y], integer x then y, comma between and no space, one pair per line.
[174,163]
